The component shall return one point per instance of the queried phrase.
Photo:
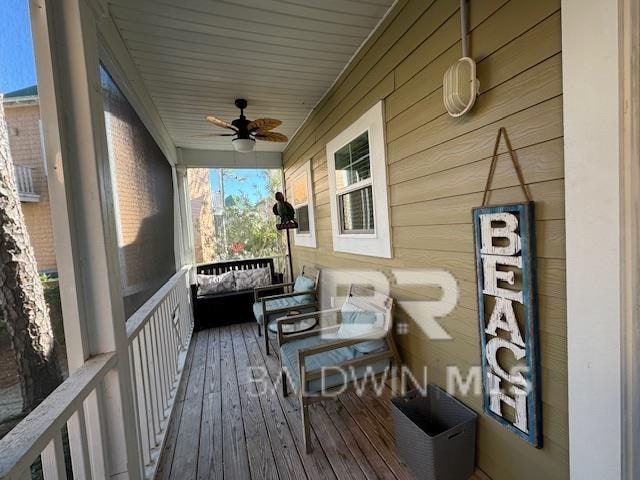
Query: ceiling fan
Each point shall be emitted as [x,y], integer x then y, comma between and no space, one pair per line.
[246,131]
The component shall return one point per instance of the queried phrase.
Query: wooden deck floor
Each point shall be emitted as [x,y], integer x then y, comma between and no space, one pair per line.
[222,428]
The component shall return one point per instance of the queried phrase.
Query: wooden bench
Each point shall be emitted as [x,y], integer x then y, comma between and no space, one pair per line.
[229,307]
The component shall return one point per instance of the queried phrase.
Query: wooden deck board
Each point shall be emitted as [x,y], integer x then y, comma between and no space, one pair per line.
[261,459]
[234,444]
[230,424]
[357,441]
[210,461]
[315,463]
[338,453]
[287,457]
[185,461]
[166,458]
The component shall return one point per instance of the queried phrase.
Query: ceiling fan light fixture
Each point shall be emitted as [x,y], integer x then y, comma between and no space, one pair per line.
[246,131]
[243,145]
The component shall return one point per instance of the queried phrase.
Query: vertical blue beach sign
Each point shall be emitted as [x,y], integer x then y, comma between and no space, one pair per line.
[507,306]
[507,312]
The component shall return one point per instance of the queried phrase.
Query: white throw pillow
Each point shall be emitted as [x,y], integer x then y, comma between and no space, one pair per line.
[210,284]
[254,278]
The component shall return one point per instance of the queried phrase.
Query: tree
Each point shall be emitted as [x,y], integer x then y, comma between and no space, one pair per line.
[249,225]
[22,303]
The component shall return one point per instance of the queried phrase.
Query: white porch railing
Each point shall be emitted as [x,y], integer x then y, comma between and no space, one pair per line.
[159,334]
[24,182]
[281,264]
[40,433]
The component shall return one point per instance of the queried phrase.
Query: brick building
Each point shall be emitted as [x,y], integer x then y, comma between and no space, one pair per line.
[136,198]
[23,121]
[202,214]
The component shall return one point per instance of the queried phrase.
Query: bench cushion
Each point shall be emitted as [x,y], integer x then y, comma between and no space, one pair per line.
[212,284]
[289,360]
[252,278]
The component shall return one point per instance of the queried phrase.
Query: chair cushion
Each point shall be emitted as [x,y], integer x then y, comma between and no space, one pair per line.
[289,360]
[275,304]
[212,284]
[357,321]
[304,284]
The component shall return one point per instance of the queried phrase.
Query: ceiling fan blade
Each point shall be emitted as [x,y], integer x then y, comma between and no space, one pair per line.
[264,124]
[271,136]
[208,135]
[220,123]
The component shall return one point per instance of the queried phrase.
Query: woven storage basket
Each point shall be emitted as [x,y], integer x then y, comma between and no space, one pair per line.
[435,434]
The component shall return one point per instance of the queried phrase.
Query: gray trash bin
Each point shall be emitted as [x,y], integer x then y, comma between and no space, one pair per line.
[435,434]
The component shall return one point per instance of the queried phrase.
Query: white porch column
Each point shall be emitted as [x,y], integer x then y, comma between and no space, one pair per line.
[85,236]
[601,191]
[185,225]
[180,251]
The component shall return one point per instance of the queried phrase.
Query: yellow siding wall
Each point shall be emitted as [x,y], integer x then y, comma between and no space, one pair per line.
[437,167]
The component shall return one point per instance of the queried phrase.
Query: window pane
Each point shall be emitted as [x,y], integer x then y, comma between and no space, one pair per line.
[352,162]
[300,190]
[302,216]
[356,210]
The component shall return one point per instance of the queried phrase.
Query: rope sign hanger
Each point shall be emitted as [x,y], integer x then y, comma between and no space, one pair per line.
[494,161]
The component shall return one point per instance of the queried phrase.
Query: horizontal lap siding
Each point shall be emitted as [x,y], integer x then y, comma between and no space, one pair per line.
[437,167]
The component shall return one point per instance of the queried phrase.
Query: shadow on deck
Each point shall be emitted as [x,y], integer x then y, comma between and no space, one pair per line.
[222,428]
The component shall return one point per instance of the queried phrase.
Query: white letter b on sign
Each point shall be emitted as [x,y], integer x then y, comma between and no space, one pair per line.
[489,232]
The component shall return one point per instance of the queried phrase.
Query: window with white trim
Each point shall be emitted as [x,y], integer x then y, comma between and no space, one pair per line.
[356,165]
[302,201]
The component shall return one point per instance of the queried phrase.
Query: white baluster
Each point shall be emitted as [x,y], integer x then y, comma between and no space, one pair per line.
[135,403]
[143,403]
[157,371]
[94,419]
[53,467]
[166,360]
[29,173]
[153,400]
[77,428]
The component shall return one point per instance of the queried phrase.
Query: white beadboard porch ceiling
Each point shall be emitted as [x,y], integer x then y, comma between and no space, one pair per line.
[197,56]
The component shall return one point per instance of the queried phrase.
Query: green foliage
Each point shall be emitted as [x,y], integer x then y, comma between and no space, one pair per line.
[45,277]
[250,226]
[52,297]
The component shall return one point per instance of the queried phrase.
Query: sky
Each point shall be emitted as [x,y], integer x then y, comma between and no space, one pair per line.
[240,181]
[17,64]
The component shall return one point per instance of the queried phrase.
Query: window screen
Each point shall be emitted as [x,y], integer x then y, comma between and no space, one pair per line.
[356,211]
[302,215]
[144,199]
[352,162]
